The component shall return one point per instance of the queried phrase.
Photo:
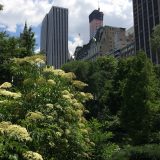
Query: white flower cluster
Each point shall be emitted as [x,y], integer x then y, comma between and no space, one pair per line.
[14,131]
[67,95]
[60,72]
[6,85]
[69,75]
[29,155]
[34,116]
[79,84]
[36,59]
[49,105]
[39,60]
[51,82]
[85,96]
[6,93]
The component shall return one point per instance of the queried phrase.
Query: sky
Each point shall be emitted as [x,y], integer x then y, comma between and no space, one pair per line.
[117,13]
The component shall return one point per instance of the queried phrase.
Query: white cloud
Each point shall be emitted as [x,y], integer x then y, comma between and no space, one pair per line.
[73,44]
[116,13]
[16,12]
[37,50]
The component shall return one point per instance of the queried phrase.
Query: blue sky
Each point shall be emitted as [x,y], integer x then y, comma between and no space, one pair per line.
[16,12]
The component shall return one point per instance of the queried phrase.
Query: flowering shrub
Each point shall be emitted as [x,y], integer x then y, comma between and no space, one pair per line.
[29,155]
[50,110]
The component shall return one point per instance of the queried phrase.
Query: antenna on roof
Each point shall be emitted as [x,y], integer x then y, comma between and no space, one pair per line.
[79,36]
[98,5]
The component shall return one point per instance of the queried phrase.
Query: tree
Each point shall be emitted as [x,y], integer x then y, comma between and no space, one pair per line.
[155,38]
[99,76]
[103,148]
[27,40]
[1,7]
[139,98]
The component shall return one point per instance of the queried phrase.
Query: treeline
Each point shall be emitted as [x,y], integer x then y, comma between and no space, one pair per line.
[15,47]
[126,103]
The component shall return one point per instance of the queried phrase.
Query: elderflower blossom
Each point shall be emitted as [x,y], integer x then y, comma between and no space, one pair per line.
[48,70]
[67,131]
[14,131]
[35,116]
[51,82]
[85,96]
[66,97]
[81,125]
[39,60]
[85,131]
[32,60]
[58,134]
[2,102]
[3,92]
[29,155]
[6,85]
[79,112]
[69,75]
[4,125]
[59,72]
[65,92]
[79,84]
[89,96]
[78,105]
[49,105]
[82,94]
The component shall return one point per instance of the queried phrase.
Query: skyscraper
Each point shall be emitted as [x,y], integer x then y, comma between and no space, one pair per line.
[96,21]
[54,36]
[146,17]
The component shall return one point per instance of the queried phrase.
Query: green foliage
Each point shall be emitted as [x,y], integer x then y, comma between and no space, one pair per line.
[80,68]
[103,149]
[126,101]
[139,94]
[43,110]
[146,152]
[1,7]
[27,40]
[99,77]
[9,48]
[155,39]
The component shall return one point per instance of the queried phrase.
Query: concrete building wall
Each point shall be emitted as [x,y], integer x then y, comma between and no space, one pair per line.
[44,32]
[54,36]
[113,38]
[130,35]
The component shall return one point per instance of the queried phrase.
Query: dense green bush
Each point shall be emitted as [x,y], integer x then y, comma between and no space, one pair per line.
[146,152]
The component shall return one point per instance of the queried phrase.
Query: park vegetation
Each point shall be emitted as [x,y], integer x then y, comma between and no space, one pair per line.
[108,109]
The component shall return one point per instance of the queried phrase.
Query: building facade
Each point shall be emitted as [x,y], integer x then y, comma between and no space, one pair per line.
[146,17]
[54,36]
[95,21]
[128,50]
[130,35]
[106,40]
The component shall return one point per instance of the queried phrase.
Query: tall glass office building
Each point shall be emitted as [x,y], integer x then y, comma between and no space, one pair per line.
[54,36]
[146,17]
